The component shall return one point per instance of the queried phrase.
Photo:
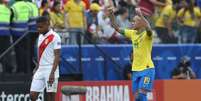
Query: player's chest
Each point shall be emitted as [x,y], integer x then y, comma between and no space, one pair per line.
[138,41]
[45,43]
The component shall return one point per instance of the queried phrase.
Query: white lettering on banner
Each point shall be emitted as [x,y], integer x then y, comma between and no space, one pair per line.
[89,94]
[27,96]
[119,93]
[108,93]
[17,97]
[103,96]
[71,59]
[198,58]
[127,59]
[115,58]
[9,98]
[100,58]
[86,59]
[158,58]
[3,96]
[126,94]
[95,93]
[20,97]
[171,58]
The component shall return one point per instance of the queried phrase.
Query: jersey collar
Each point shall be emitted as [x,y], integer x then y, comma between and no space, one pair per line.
[48,33]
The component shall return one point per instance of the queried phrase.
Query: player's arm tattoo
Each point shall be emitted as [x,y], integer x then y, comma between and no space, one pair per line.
[56,60]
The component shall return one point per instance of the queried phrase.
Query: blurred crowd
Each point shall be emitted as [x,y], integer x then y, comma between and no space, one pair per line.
[87,22]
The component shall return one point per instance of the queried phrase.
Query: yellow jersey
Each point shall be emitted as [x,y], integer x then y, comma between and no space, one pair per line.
[187,19]
[142,46]
[57,20]
[75,14]
[167,13]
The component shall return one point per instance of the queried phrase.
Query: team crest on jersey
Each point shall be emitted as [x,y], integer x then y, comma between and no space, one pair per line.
[46,41]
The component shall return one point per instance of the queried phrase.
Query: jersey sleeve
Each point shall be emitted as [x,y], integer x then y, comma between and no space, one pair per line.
[129,33]
[57,42]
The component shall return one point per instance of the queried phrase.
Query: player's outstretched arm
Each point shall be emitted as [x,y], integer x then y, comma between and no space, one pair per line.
[113,21]
[145,22]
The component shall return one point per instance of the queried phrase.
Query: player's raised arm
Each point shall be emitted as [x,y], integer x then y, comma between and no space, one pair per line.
[113,21]
[144,21]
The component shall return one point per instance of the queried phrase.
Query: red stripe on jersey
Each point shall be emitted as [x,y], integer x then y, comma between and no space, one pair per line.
[44,44]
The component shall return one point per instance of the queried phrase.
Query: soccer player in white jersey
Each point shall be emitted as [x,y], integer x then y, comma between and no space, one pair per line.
[47,72]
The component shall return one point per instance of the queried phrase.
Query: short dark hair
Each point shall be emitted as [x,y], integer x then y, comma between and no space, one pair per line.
[42,19]
[122,10]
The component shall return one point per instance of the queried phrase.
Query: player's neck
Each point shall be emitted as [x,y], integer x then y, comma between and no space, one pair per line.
[45,32]
[139,31]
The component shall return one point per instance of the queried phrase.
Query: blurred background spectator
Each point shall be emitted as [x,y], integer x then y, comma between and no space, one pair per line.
[164,22]
[44,8]
[184,70]
[122,18]
[76,20]
[189,19]
[172,19]
[19,26]
[108,35]
[5,36]
[57,16]
[92,23]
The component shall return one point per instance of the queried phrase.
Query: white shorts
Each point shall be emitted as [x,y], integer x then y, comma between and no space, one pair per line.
[40,80]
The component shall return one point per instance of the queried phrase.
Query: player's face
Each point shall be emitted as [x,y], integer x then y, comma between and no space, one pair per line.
[136,23]
[43,27]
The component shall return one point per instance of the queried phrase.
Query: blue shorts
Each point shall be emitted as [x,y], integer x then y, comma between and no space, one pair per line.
[143,79]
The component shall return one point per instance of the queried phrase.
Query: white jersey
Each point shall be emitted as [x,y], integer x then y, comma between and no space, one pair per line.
[46,45]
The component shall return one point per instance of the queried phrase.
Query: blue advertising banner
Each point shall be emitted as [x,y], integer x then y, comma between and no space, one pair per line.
[107,62]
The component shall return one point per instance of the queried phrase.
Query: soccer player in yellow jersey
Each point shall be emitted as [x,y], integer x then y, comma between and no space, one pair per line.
[143,71]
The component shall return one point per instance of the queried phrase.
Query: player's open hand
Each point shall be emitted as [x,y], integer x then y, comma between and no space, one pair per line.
[139,12]
[143,20]
[51,79]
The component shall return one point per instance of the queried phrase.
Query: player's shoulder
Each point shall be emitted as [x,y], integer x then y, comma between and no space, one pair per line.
[56,35]
[40,36]
[130,31]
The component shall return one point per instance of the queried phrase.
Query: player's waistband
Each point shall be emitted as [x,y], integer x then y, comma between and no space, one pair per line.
[45,64]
